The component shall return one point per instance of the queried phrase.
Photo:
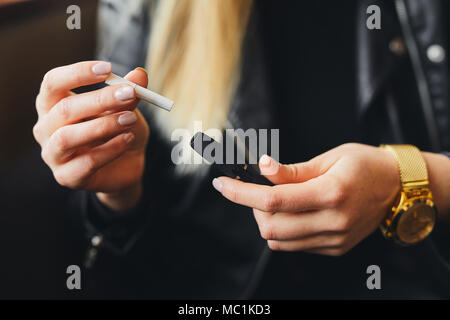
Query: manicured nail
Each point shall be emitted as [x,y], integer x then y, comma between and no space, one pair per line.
[265,160]
[127,119]
[128,137]
[102,68]
[141,69]
[138,68]
[124,93]
[268,165]
[217,184]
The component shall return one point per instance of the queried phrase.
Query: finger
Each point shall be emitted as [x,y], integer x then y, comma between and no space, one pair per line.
[306,196]
[138,76]
[325,242]
[96,103]
[58,82]
[86,105]
[75,172]
[335,252]
[287,173]
[64,142]
[293,226]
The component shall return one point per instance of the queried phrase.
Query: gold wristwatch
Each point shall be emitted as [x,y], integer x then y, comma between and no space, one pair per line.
[413,217]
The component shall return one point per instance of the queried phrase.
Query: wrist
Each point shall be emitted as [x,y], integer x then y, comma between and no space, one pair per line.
[392,177]
[122,200]
[438,166]
[414,217]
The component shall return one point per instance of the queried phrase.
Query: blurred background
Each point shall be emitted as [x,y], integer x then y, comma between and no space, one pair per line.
[33,39]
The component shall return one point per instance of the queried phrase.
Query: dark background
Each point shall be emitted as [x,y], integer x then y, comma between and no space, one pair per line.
[35,247]
[33,39]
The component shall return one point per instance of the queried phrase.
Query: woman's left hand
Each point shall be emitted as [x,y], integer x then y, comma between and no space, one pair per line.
[326,205]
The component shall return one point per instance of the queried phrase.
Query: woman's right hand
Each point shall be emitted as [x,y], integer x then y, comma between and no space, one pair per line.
[96,140]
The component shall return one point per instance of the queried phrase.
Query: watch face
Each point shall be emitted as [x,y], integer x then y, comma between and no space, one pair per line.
[416,223]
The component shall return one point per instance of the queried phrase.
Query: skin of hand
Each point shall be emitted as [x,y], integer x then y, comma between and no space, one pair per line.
[330,203]
[96,140]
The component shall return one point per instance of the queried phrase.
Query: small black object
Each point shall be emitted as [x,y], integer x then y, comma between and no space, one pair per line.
[246,172]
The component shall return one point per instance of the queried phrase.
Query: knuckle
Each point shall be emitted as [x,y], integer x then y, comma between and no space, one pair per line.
[103,127]
[62,178]
[59,140]
[339,242]
[337,195]
[89,165]
[272,201]
[37,131]
[310,165]
[79,178]
[45,80]
[77,72]
[334,253]
[37,101]
[267,231]
[339,251]
[45,155]
[232,193]
[274,245]
[341,224]
[101,99]
[63,108]
[294,171]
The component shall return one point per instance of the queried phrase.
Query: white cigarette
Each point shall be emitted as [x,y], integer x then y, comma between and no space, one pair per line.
[142,93]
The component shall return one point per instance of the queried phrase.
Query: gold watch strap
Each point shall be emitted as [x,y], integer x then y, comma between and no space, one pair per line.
[410,162]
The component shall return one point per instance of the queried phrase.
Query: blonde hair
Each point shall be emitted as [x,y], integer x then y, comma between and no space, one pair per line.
[194,59]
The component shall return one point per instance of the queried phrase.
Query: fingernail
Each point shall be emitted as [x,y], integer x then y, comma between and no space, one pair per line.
[124,93]
[128,137]
[268,165]
[102,68]
[127,118]
[141,69]
[217,184]
[138,68]
[265,160]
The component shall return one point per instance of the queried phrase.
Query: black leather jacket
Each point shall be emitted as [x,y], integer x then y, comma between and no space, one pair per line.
[401,55]
[184,240]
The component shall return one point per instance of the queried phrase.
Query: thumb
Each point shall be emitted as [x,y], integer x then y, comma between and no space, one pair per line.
[287,173]
[138,76]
